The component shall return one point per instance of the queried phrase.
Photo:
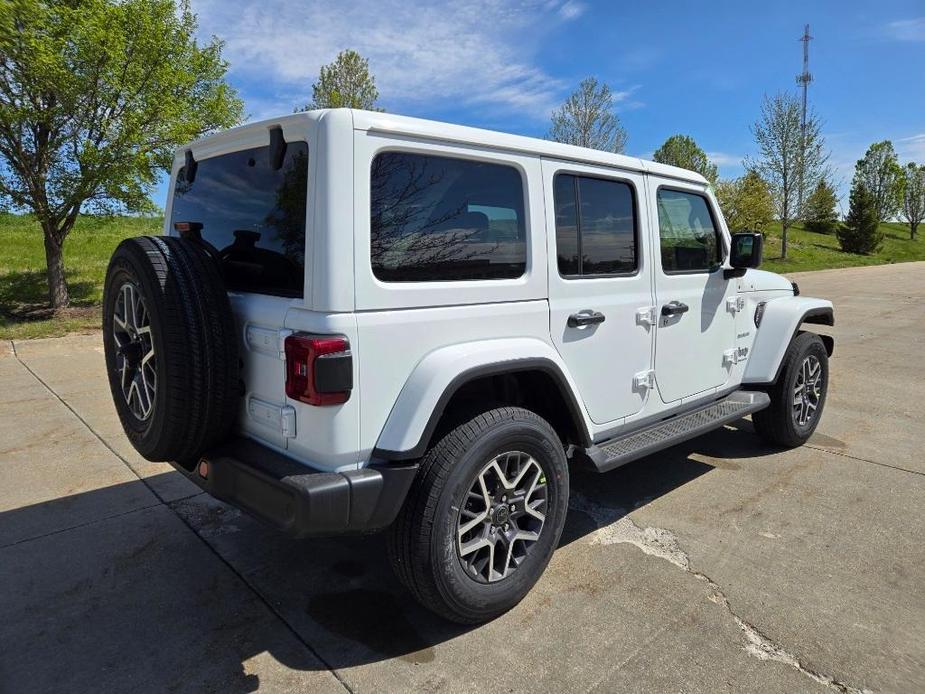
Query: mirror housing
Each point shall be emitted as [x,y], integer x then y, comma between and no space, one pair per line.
[745,252]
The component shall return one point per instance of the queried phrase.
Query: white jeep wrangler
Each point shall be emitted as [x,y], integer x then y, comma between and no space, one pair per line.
[358,321]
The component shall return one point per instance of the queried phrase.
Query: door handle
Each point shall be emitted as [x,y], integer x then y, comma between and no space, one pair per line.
[675,308]
[580,320]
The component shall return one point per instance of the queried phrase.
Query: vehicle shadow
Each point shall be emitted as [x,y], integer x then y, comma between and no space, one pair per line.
[156,596]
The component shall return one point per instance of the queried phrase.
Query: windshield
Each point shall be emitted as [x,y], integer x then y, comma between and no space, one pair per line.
[253,214]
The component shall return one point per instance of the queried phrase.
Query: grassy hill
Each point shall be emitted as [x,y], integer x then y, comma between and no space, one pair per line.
[809,251]
[23,295]
[24,308]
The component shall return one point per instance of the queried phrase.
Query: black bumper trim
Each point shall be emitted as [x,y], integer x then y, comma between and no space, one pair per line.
[298,500]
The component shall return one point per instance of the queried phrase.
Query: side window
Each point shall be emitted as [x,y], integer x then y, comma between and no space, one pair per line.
[595,226]
[688,237]
[436,218]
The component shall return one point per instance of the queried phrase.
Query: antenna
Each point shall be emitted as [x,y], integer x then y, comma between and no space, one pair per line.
[803,79]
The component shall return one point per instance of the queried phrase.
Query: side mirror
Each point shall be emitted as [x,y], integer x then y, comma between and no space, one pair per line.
[745,252]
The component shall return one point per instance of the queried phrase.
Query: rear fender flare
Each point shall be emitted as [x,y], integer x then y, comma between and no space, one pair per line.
[435,379]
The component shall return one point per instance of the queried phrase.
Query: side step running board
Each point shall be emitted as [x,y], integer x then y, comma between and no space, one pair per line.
[626,448]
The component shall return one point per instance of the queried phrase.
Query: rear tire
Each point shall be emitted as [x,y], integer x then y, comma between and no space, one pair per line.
[168,328]
[804,377]
[429,546]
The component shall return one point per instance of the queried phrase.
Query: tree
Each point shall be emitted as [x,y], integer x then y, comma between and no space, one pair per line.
[860,231]
[819,214]
[345,83]
[746,203]
[587,119]
[94,97]
[792,162]
[913,196]
[880,173]
[681,150]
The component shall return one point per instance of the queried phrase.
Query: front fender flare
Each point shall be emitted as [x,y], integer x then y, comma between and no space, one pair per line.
[436,378]
[780,323]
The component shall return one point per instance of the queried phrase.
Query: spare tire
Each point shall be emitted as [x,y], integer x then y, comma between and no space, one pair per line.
[171,348]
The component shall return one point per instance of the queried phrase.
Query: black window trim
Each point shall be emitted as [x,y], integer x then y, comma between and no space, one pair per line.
[716,230]
[634,196]
[411,149]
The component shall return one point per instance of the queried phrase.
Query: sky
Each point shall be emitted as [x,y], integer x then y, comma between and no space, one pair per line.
[699,69]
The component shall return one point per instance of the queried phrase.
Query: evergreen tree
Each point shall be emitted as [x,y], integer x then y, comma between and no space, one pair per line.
[820,214]
[860,231]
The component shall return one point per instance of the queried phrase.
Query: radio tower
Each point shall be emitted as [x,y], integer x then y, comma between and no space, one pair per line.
[803,79]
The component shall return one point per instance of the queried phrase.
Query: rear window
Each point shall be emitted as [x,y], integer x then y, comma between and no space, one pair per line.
[439,219]
[252,214]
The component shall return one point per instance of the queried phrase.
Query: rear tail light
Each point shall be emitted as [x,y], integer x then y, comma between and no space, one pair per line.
[319,369]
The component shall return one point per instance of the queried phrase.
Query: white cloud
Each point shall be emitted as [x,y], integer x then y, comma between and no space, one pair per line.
[725,159]
[477,53]
[907,29]
[911,148]
[571,10]
[623,101]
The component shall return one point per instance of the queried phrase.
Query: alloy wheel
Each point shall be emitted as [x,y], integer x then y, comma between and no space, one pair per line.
[501,517]
[135,355]
[807,391]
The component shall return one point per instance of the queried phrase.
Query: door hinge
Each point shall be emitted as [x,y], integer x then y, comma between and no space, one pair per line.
[267,340]
[734,356]
[287,422]
[282,335]
[735,304]
[646,316]
[281,418]
[644,379]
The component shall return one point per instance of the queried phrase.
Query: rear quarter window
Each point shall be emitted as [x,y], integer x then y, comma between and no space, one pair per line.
[254,216]
[436,218]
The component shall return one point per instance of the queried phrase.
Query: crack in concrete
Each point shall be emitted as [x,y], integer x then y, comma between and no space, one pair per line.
[614,526]
[864,460]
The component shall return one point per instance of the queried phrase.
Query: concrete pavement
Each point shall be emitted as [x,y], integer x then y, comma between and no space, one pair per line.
[718,565]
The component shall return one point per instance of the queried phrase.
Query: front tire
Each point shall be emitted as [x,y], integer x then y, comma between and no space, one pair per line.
[798,397]
[484,516]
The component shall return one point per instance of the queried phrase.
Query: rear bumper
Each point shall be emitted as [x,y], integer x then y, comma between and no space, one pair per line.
[297,500]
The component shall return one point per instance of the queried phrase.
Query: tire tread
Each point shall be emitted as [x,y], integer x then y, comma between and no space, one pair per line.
[409,537]
[200,368]
[774,423]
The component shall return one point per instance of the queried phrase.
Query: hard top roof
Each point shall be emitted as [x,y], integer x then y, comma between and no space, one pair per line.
[389,123]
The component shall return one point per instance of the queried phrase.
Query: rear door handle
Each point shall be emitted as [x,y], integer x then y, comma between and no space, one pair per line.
[675,308]
[583,318]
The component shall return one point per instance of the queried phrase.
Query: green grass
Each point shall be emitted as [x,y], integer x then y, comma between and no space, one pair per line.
[809,251]
[24,311]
